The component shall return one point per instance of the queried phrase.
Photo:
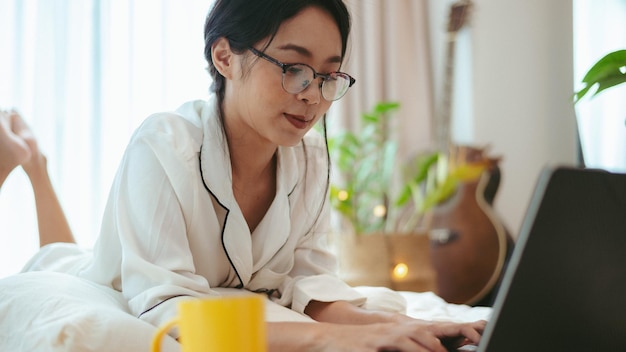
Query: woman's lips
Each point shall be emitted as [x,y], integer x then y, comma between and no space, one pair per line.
[298,121]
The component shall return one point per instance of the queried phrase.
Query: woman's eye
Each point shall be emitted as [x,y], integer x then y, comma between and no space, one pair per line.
[294,70]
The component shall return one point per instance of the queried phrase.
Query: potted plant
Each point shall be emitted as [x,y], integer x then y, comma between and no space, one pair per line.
[365,160]
[368,192]
[382,203]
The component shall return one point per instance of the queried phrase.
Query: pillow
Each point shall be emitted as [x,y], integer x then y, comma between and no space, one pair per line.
[51,311]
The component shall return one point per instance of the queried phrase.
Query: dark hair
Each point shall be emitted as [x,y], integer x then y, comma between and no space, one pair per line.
[244,23]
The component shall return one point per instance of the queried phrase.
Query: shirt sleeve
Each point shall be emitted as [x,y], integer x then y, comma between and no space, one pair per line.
[315,271]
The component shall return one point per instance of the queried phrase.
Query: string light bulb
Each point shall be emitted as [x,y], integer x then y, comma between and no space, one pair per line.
[400,271]
[380,211]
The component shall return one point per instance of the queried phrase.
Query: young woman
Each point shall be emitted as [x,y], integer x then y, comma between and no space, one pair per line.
[231,192]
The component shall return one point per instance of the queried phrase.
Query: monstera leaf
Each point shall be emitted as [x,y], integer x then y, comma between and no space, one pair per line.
[609,71]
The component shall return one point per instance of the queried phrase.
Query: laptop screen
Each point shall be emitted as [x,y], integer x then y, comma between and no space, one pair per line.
[565,286]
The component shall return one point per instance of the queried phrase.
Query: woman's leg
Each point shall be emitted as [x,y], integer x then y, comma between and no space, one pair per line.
[18,146]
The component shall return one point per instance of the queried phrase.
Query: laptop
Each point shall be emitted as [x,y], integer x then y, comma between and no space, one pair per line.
[565,286]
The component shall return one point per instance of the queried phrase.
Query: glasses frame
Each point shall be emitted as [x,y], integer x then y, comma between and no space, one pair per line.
[325,76]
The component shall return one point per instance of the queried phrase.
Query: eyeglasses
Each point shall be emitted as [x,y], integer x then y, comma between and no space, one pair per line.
[297,77]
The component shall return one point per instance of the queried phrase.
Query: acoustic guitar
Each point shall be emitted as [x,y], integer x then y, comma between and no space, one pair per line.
[469,245]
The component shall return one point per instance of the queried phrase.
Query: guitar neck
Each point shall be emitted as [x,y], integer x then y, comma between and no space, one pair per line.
[443,134]
[442,123]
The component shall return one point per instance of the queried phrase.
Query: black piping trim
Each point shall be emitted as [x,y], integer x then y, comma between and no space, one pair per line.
[268,292]
[305,165]
[225,219]
[158,304]
[292,190]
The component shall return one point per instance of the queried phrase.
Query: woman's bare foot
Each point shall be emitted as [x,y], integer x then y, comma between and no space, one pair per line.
[14,143]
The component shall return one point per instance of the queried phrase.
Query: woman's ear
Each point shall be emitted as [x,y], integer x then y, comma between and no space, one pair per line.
[223,57]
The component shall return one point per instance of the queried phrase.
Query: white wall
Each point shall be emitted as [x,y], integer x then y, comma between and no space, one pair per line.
[514,84]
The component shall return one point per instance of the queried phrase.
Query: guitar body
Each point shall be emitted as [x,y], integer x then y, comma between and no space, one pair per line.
[469,245]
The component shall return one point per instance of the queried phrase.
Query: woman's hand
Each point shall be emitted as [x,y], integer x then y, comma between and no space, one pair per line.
[414,336]
[452,335]
[345,327]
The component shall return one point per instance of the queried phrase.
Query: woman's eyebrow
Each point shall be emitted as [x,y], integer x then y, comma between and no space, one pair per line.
[306,52]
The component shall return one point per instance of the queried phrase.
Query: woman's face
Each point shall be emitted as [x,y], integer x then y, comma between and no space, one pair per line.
[257,107]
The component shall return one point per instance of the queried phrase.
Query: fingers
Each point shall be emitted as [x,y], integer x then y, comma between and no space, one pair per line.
[421,343]
[473,331]
[457,334]
[387,337]
[432,336]
[415,338]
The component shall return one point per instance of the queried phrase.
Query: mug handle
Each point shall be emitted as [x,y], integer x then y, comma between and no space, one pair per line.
[158,336]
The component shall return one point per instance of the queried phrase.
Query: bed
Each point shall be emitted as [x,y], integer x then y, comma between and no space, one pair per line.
[50,311]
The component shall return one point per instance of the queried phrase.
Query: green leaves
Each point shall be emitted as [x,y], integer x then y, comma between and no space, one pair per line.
[416,174]
[609,71]
[430,180]
[366,161]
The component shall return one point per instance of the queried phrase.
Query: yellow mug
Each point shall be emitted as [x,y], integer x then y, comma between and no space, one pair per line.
[219,324]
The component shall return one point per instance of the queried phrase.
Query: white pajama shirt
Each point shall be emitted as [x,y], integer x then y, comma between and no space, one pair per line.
[172,228]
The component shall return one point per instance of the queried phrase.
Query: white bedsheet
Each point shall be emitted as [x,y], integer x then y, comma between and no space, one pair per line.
[49,311]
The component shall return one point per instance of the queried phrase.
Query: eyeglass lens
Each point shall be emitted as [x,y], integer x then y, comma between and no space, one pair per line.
[297,77]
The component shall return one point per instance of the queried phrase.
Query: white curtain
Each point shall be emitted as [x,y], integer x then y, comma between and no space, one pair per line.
[598,30]
[389,55]
[84,74]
